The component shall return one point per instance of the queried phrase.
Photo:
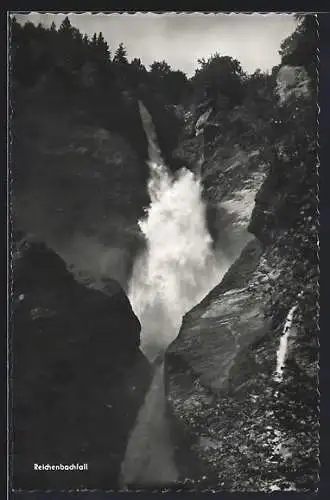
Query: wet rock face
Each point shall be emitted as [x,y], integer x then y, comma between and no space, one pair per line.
[237,425]
[78,377]
[231,172]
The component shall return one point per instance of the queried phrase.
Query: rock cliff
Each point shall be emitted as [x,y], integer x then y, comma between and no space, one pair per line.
[241,377]
[77,186]
[78,377]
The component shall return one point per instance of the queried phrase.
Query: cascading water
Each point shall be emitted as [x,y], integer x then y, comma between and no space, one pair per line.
[174,273]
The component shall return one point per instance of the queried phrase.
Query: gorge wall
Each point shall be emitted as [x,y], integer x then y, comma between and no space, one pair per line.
[241,377]
[77,186]
[77,374]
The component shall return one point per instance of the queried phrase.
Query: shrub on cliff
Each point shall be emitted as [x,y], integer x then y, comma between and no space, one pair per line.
[220,77]
[300,49]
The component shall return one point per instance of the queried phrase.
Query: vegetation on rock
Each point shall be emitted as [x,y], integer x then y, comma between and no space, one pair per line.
[222,364]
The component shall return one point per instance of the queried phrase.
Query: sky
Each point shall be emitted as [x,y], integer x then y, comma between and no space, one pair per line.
[183,38]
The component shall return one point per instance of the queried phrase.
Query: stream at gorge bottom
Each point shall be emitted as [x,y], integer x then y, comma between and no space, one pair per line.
[149,459]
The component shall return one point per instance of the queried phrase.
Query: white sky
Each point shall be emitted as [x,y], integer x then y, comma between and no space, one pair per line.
[181,39]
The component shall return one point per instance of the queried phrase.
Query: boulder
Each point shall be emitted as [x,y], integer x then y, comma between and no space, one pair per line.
[78,377]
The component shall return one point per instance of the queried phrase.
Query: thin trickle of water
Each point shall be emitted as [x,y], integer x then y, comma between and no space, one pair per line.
[174,273]
[283,347]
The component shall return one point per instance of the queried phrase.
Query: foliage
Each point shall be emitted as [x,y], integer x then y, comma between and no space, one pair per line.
[220,76]
[121,55]
[68,69]
[74,70]
[300,49]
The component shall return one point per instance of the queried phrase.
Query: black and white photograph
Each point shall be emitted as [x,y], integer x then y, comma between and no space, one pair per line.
[164,252]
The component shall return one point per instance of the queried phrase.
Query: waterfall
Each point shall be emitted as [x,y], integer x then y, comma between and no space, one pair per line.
[173,274]
[178,267]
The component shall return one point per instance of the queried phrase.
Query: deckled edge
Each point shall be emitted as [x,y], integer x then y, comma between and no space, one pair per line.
[317,64]
[133,12]
[10,233]
[9,255]
[173,490]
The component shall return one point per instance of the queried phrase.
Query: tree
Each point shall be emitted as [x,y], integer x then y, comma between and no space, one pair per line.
[160,69]
[94,40]
[15,27]
[299,49]
[103,48]
[176,86]
[98,49]
[219,75]
[171,84]
[137,73]
[120,55]
[121,68]
[66,27]
[258,84]
[137,64]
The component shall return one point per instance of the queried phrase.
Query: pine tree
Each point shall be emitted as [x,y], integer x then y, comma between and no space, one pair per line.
[93,48]
[94,40]
[120,55]
[66,27]
[137,64]
[103,48]
[15,27]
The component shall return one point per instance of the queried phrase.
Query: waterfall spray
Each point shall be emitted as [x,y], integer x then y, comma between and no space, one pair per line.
[178,267]
[172,275]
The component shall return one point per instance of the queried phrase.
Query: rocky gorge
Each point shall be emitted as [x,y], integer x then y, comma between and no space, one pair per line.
[117,249]
[242,427]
